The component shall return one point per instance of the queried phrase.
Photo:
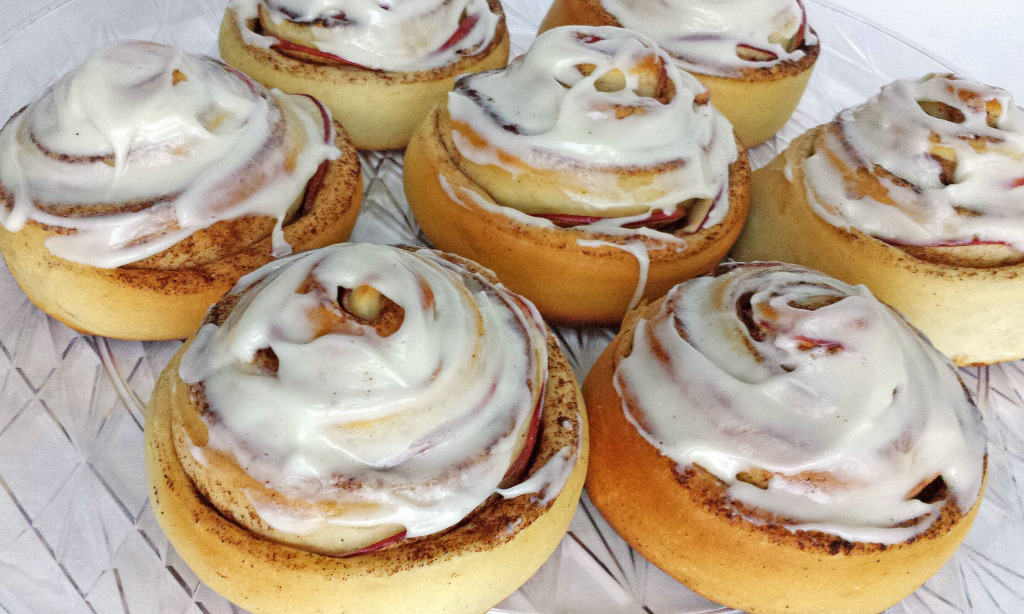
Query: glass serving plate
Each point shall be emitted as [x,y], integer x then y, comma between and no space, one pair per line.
[76,531]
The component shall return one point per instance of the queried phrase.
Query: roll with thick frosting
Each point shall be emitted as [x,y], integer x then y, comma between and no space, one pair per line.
[614,171]
[919,194]
[394,407]
[768,417]
[379,67]
[145,182]
[754,57]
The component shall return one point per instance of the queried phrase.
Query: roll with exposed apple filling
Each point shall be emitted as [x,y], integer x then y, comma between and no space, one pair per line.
[610,181]
[145,182]
[754,57]
[378,66]
[355,426]
[919,194]
[780,441]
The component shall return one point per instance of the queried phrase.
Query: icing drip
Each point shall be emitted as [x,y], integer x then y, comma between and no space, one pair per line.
[406,35]
[142,145]
[421,423]
[643,261]
[705,36]
[948,162]
[547,481]
[626,239]
[603,103]
[827,395]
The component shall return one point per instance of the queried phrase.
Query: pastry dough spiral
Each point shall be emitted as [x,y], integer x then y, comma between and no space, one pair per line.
[362,387]
[144,144]
[361,424]
[144,183]
[617,168]
[770,417]
[829,412]
[917,193]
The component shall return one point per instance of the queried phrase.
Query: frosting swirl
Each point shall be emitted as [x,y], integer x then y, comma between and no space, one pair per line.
[818,406]
[719,37]
[936,161]
[409,35]
[143,145]
[624,132]
[410,412]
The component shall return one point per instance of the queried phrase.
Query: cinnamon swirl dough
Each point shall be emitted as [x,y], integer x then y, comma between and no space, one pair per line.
[783,442]
[396,407]
[613,180]
[379,67]
[755,57]
[144,183]
[919,194]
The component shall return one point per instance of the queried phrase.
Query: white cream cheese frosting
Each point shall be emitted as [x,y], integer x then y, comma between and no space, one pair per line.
[771,367]
[703,35]
[142,145]
[421,424]
[547,112]
[948,153]
[400,35]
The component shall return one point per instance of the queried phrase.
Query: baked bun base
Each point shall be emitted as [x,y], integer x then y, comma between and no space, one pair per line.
[144,302]
[569,283]
[467,569]
[969,314]
[757,103]
[682,523]
[379,109]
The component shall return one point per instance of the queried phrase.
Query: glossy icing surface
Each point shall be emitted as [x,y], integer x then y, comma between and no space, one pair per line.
[143,144]
[703,35]
[404,35]
[420,424]
[947,157]
[606,100]
[818,406]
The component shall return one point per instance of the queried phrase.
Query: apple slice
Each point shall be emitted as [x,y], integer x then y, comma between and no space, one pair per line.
[301,51]
[317,180]
[797,40]
[809,343]
[465,26]
[755,54]
[566,220]
[974,241]
[588,39]
[387,541]
[518,466]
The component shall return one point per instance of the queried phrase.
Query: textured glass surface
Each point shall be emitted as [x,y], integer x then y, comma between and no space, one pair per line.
[76,531]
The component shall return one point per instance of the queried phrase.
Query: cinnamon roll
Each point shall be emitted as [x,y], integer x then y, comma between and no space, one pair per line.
[144,183]
[919,194]
[613,171]
[780,441]
[355,426]
[379,67]
[754,57]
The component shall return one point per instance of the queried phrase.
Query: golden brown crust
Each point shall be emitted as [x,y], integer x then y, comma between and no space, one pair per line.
[568,283]
[380,109]
[683,522]
[143,301]
[466,569]
[966,312]
[758,102]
